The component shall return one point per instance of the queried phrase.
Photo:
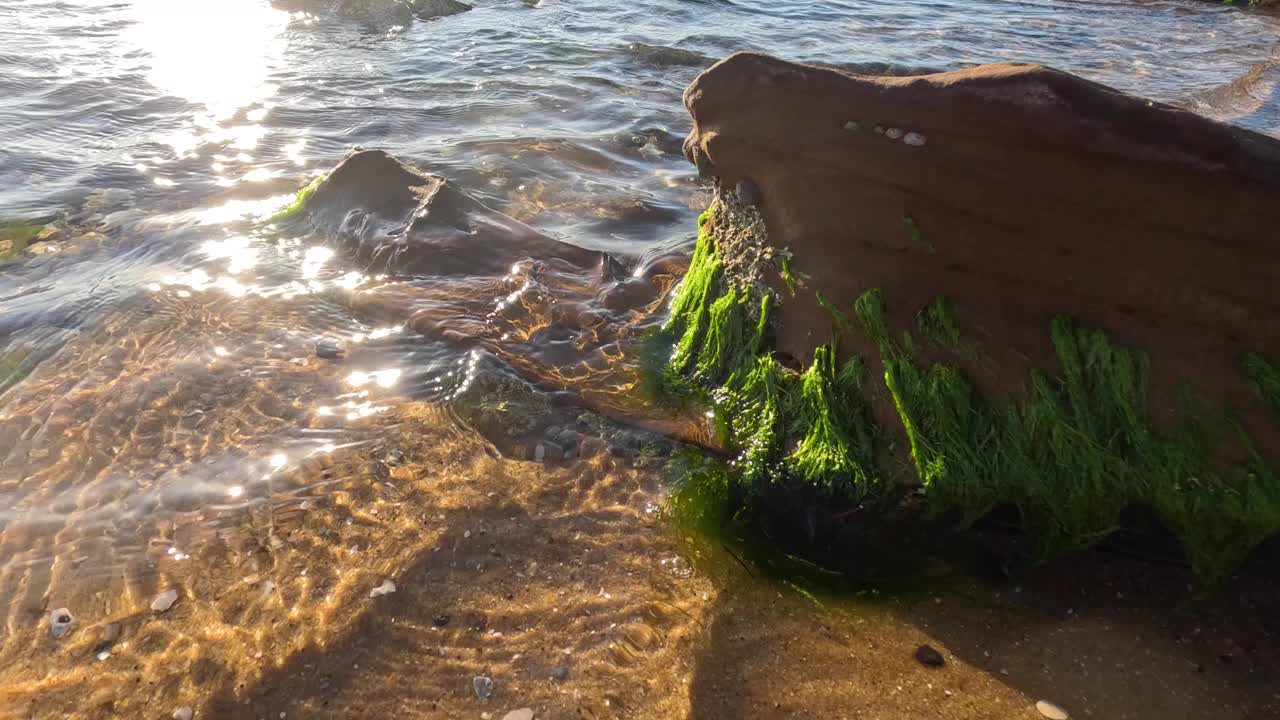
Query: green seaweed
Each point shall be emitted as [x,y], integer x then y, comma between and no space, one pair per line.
[299,202]
[1266,379]
[15,236]
[788,275]
[1076,453]
[1072,453]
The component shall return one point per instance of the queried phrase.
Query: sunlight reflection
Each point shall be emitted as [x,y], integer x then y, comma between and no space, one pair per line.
[383,378]
[240,253]
[217,54]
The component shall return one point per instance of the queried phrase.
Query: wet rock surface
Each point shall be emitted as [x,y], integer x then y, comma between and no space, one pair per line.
[1017,192]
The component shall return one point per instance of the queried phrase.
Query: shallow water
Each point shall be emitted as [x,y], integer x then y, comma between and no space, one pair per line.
[167,418]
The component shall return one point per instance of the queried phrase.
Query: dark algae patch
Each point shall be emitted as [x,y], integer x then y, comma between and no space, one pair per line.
[811,470]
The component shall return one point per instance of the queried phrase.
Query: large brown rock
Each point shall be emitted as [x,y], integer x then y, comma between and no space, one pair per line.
[1019,193]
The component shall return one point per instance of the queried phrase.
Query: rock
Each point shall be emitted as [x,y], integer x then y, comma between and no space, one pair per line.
[552,451]
[386,588]
[440,620]
[164,600]
[483,687]
[928,656]
[183,713]
[431,9]
[60,623]
[521,714]
[329,349]
[1051,711]
[539,452]
[1156,261]
[749,192]
[567,439]
[394,218]
[591,445]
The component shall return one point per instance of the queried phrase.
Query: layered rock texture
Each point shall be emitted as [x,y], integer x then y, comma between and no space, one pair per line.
[1064,298]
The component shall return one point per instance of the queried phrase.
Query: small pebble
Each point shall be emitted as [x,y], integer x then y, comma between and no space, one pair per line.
[440,620]
[1051,711]
[852,126]
[540,453]
[164,600]
[893,133]
[914,138]
[749,192]
[879,129]
[183,713]
[483,687]
[521,714]
[929,656]
[386,588]
[60,622]
[329,349]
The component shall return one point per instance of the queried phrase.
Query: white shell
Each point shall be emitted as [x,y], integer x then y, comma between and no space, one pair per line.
[183,713]
[915,138]
[60,622]
[1051,711]
[386,588]
[164,600]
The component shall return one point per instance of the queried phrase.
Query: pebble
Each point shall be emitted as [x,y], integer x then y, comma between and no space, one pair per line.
[440,620]
[852,126]
[893,133]
[60,622]
[164,600]
[929,656]
[483,687]
[521,714]
[540,453]
[749,192]
[1051,711]
[553,451]
[183,713]
[329,349]
[386,588]
[915,139]
[567,439]
[591,445]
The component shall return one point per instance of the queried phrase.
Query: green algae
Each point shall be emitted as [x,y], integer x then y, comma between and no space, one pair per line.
[1073,453]
[299,202]
[1077,452]
[1266,379]
[15,236]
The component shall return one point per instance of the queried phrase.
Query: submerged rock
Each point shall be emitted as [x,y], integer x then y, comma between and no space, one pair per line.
[378,12]
[929,656]
[1007,235]
[397,219]
[164,600]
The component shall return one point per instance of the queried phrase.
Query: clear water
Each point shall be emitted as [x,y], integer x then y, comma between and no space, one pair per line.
[162,381]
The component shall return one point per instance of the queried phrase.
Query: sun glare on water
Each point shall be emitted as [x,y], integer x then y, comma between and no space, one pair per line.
[214,53]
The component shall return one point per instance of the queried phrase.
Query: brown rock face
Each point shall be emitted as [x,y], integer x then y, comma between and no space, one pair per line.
[1019,193]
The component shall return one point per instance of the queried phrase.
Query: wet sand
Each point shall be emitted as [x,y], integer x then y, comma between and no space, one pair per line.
[566,587]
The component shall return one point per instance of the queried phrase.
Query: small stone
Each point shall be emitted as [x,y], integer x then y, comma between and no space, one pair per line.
[929,656]
[591,445]
[749,192]
[440,620]
[567,439]
[852,126]
[183,713]
[60,622]
[553,451]
[560,674]
[386,588]
[329,349]
[1051,711]
[165,600]
[539,453]
[879,129]
[893,133]
[483,687]
[521,714]
[915,139]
